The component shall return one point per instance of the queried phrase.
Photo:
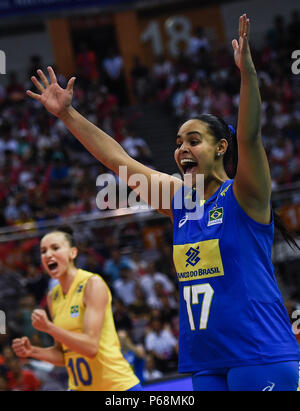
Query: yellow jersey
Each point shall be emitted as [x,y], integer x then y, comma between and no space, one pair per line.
[108,371]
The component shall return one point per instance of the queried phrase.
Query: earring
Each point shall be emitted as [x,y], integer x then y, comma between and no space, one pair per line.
[219,154]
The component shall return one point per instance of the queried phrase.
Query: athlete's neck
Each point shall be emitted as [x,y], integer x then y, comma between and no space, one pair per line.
[212,184]
[67,279]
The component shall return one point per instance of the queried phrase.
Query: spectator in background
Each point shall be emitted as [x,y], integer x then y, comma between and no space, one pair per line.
[198,42]
[139,315]
[139,305]
[150,372]
[114,75]
[152,240]
[14,91]
[106,103]
[118,123]
[60,172]
[36,282]
[148,281]
[113,265]
[11,211]
[277,35]
[140,78]
[162,300]
[3,383]
[129,239]
[2,94]
[221,103]
[86,61]
[133,353]
[105,240]
[5,130]
[93,263]
[294,30]
[139,265]
[124,287]
[121,317]
[136,146]
[12,288]
[27,173]
[162,344]
[165,263]
[9,146]
[6,355]
[26,306]
[178,99]
[19,378]
[35,64]
[161,72]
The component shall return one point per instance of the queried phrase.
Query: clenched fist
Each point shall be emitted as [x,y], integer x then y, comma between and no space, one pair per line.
[22,347]
[40,320]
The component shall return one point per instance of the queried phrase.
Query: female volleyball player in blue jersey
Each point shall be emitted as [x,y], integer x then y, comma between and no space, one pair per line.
[235,333]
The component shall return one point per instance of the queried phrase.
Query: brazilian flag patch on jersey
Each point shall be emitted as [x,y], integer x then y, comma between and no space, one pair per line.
[215,216]
[75,311]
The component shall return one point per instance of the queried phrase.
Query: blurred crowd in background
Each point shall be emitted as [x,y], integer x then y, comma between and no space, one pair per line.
[46,174]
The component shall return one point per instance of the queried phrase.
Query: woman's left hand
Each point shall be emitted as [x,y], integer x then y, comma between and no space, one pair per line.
[242,55]
[40,320]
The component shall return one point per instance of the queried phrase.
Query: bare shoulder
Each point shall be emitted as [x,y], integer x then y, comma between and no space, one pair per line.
[96,291]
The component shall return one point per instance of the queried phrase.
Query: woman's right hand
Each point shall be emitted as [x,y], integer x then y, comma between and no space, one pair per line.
[54,98]
[22,347]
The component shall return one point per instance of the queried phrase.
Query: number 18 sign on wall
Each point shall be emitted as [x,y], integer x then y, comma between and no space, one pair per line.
[150,33]
[169,33]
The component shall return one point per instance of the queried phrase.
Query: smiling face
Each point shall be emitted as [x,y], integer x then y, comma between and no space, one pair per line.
[197,149]
[57,255]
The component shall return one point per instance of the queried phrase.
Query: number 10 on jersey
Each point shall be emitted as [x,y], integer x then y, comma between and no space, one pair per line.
[191,297]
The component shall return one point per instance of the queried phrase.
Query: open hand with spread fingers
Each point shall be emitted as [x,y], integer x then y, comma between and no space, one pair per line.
[55,99]
[242,54]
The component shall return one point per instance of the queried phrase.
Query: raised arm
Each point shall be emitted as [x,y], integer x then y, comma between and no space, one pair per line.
[58,102]
[252,185]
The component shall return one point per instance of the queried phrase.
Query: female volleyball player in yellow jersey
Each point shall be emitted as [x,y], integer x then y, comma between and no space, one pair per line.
[86,342]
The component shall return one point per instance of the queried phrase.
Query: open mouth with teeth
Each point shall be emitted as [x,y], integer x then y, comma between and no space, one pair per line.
[52,266]
[188,165]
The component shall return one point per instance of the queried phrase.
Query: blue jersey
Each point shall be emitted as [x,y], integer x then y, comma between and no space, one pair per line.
[231,310]
[137,364]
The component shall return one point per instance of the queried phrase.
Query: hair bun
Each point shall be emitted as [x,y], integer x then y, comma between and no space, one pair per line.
[66,229]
